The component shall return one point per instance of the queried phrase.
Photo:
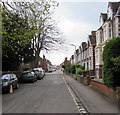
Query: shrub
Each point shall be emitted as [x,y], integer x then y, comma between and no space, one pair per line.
[111,61]
[79,71]
[76,67]
[73,69]
[86,70]
[67,67]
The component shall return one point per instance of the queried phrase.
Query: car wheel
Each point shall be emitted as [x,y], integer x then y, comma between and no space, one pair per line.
[17,86]
[11,89]
[33,80]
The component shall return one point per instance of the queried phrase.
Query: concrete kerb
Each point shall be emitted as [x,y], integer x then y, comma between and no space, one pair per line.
[79,100]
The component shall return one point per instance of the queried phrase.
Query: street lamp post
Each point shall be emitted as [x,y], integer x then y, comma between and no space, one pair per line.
[75,51]
[74,46]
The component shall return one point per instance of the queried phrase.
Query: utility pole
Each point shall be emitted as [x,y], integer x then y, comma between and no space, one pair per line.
[75,52]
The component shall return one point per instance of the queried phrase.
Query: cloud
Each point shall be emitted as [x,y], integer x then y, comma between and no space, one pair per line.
[75,29]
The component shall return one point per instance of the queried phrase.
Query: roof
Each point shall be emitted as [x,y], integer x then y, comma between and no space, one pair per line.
[92,39]
[100,28]
[72,56]
[104,16]
[84,45]
[114,6]
[118,12]
[77,51]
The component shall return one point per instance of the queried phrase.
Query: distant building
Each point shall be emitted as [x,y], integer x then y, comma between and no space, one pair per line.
[72,59]
[66,61]
[91,43]
[86,55]
[44,63]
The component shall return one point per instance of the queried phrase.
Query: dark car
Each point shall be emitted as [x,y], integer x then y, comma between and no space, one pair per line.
[28,76]
[9,82]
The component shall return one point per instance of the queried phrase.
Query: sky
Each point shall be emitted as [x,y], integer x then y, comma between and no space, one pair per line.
[76,19]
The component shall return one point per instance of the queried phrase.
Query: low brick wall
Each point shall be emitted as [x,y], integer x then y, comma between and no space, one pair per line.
[86,80]
[111,93]
[98,85]
[79,78]
[74,76]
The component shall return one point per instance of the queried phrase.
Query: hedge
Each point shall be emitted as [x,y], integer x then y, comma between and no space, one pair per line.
[111,59]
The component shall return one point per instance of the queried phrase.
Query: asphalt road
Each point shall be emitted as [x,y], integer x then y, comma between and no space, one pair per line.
[49,95]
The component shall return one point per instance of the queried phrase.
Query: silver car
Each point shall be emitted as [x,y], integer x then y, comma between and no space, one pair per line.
[40,73]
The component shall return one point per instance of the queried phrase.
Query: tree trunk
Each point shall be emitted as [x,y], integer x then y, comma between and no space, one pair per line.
[37,56]
[36,60]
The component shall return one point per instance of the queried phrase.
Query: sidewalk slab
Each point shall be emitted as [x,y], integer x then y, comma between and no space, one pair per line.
[94,101]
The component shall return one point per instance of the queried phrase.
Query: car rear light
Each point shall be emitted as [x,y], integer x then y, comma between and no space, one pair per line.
[31,72]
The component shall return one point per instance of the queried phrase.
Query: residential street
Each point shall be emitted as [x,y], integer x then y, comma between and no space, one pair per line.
[66,52]
[49,95]
[52,95]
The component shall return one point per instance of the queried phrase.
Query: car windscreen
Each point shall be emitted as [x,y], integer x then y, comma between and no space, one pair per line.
[27,73]
[36,71]
[6,77]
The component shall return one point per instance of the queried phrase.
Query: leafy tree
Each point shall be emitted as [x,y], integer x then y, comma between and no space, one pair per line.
[30,27]
[44,30]
[15,37]
[111,59]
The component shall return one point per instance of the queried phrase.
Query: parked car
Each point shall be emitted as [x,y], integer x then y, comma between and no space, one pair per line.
[40,72]
[9,82]
[51,70]
[28,76]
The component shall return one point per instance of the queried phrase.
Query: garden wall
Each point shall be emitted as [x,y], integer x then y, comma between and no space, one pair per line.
[99,86]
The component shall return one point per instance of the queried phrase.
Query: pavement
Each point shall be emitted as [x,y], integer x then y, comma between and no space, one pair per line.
[94,101]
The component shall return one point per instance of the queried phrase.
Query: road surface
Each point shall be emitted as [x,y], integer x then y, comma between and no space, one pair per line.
[49,95]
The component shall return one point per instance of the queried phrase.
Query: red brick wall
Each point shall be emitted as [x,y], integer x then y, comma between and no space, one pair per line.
[102,88]
[86,81]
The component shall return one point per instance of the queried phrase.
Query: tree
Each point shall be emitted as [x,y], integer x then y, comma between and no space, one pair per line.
[111,59]
[44,30]
[16,37]
[40,30]
[47,35]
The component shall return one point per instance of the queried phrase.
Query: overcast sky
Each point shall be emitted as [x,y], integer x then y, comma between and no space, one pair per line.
[76,20]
